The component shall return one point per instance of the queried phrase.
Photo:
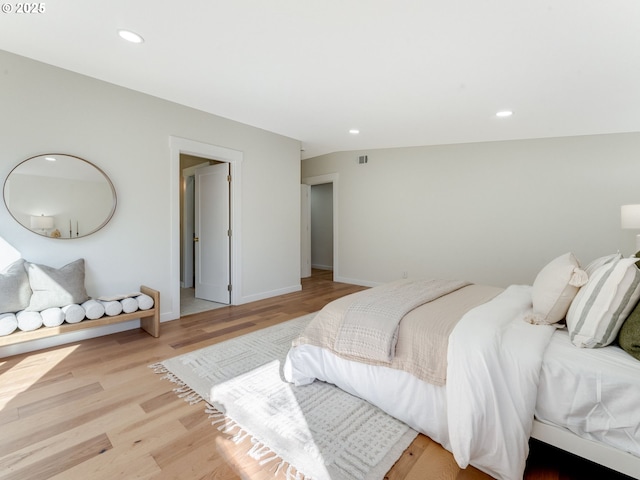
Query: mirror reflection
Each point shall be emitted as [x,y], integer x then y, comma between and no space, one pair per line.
[59,196]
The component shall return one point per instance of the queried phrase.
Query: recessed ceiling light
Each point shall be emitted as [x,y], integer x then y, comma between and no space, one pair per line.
[354,131]
[130,36]
[504,113]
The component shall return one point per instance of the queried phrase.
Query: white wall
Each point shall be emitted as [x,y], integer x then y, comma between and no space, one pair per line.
[487,212]
[126,134]
[322,226]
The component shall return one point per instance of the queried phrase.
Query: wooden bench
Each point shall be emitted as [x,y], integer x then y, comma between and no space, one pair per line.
[149,321]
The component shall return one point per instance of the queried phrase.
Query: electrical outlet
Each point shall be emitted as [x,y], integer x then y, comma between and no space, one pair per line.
[405,274]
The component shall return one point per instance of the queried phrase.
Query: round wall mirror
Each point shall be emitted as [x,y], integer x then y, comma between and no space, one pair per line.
[59,196]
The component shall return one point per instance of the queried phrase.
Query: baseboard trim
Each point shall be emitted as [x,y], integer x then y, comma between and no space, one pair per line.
[355,281]
[272,293]
[322,267]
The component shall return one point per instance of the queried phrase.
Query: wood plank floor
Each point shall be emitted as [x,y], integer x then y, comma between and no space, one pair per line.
[94,410]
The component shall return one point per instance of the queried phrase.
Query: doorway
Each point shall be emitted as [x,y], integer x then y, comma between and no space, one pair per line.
[204,243]
[320,249]
[180,146]
[321,204]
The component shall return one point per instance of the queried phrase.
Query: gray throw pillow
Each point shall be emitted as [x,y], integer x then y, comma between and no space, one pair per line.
[56,287]
[15,291]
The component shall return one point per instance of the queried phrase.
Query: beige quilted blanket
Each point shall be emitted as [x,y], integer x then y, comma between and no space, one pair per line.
[421,347]
[369,329]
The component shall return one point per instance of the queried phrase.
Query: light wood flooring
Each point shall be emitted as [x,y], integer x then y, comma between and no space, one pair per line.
[94,410]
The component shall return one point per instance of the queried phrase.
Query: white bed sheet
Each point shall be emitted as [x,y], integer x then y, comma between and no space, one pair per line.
[421,405]
[593,393]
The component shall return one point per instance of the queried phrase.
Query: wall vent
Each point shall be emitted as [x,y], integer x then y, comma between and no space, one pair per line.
[363,159]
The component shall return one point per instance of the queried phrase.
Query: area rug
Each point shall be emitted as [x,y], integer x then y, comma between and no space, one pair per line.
[316,431]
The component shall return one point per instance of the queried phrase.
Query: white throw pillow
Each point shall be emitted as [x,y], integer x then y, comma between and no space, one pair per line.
[8,323]
[600,261]
[554,288]
[602,305]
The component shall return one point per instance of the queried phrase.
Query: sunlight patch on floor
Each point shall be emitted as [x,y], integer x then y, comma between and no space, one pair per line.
[40,362]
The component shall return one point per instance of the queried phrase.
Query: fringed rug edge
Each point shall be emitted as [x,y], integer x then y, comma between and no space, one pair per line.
[228,426]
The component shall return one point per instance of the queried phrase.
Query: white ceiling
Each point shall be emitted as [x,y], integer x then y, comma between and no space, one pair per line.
[404,72]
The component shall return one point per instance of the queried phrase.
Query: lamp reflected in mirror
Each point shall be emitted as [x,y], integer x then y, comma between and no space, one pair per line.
[42,224]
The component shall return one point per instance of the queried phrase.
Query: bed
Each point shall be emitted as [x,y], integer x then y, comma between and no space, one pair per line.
[512,370]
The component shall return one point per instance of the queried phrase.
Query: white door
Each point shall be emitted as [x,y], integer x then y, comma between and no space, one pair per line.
[305,231]
[211,239]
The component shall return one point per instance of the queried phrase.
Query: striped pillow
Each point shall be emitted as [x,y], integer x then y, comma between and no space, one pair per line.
[600,261]
[602,305]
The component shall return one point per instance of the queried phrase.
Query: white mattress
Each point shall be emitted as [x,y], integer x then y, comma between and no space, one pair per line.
[592,392]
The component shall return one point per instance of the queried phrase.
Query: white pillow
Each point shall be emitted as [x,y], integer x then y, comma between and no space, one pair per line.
[28,321]
[602,305]
[93,309]
[8,323]
[554,288]
[600,261]
[73,313]
[52,317]
[145,302]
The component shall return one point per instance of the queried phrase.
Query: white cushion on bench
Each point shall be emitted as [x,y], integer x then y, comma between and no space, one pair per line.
[52,317]
[8,323]
[28,321]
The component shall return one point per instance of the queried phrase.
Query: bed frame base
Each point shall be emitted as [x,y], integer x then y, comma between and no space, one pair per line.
[605,455]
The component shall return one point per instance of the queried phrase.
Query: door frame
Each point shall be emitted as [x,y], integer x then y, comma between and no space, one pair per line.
[319,180]
[234,158]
